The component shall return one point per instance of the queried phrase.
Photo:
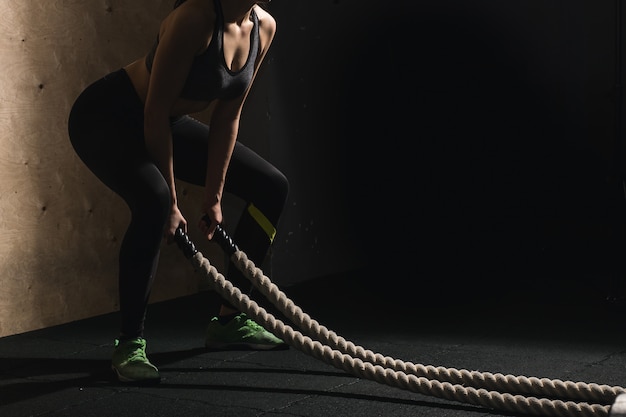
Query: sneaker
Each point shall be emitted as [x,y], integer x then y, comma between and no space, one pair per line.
[241,333]
[131,364]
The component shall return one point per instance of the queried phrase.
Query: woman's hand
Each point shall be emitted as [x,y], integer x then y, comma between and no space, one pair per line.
[175,221]
[214,213]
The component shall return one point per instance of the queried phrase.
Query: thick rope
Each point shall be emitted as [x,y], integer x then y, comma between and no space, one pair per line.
[510,383]
[434,381]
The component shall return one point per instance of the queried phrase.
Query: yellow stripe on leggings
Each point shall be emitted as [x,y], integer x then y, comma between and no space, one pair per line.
[265,224]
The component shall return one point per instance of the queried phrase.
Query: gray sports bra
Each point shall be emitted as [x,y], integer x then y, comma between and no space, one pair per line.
[209,77]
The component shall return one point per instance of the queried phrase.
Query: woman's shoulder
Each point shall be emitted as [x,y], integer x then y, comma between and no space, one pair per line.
[267,23]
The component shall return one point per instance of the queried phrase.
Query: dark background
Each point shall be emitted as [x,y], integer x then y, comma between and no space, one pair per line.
[447,146]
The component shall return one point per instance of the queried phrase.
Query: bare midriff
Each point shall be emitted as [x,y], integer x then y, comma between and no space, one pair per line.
[140,77]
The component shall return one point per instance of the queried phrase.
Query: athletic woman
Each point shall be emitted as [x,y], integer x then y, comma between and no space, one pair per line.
[133,130]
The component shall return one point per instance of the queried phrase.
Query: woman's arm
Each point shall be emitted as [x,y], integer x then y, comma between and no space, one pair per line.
[223,133]
[183,33]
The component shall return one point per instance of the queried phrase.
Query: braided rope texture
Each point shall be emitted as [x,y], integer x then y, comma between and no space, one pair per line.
[529,395]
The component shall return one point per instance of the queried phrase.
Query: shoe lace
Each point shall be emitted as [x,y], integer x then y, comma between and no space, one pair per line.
[135,352]
[253,325]
[138,354]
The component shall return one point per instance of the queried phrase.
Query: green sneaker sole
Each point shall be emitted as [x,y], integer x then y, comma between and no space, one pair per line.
[144,381]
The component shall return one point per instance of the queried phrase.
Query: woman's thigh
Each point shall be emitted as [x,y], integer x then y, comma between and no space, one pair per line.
[249,176]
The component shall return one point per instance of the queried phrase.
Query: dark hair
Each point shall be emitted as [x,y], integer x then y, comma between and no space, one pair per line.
[178,3]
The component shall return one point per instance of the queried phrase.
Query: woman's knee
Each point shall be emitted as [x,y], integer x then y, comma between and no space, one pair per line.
[148,195]
[280,183]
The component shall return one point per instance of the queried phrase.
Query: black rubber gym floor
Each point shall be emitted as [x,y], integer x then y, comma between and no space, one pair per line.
[562,332]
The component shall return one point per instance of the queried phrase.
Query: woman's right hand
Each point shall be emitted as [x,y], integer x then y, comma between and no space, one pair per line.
[175,221]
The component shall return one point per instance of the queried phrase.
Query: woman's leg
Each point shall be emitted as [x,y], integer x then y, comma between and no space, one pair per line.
[147,195]
[106,130]
[264,189]
[261,185]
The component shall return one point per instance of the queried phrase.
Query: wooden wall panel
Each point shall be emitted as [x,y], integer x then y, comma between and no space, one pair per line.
[60,228]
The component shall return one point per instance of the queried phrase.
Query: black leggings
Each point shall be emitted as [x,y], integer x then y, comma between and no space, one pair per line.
[106,130]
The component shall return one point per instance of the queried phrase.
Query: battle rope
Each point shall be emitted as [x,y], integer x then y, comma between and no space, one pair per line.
[494,391]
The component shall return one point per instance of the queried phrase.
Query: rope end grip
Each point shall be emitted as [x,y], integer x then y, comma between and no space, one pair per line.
[222,238]
[185,244]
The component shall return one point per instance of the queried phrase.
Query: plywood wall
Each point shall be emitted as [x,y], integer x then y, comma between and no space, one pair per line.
[60,228]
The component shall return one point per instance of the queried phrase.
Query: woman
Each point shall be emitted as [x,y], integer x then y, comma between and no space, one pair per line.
[132,129]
